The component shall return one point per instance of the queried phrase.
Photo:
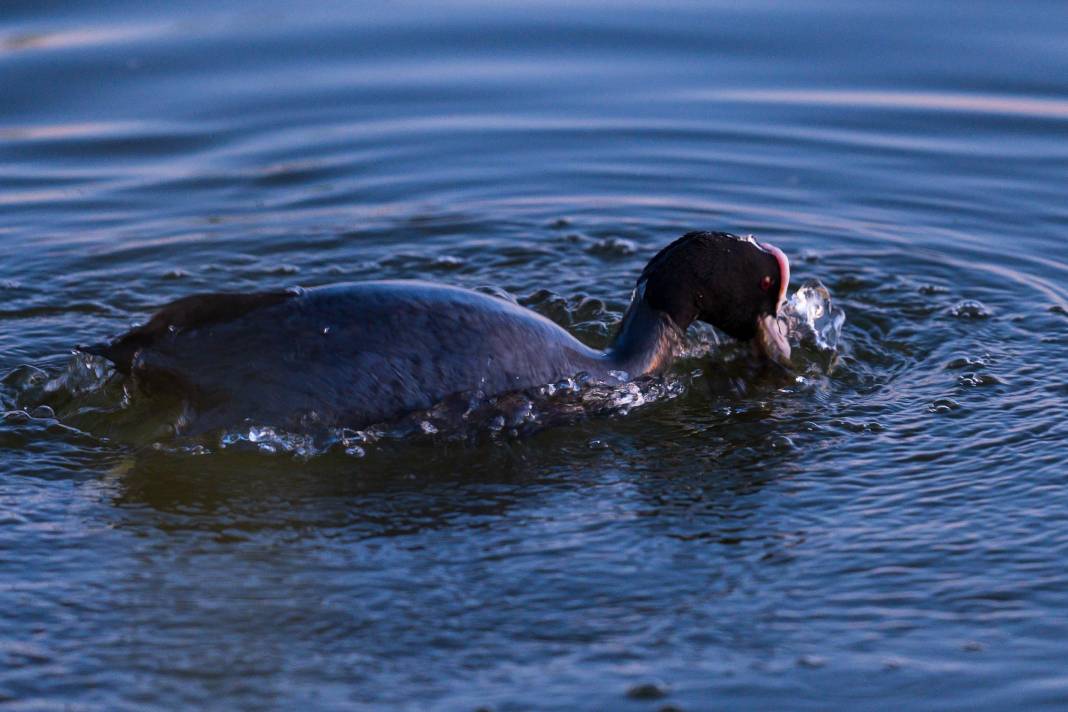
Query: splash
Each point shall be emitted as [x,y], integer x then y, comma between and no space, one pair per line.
[86,395]
[28,385]
[813,325]
[464,418]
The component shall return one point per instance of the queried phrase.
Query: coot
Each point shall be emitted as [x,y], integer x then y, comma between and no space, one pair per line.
[365,352]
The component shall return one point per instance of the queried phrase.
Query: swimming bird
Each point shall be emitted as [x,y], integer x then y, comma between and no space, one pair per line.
[366,352]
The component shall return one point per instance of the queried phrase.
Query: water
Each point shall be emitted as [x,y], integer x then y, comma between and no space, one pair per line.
[887,531]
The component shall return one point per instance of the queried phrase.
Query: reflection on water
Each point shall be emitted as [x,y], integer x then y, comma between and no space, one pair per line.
[73,37]
[917,101]
[884,531]
[61,131]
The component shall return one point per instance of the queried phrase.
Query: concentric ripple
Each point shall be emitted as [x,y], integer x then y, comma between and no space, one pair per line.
[884,531]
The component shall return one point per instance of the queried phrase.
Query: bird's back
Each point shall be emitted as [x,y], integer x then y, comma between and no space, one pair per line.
[350,355]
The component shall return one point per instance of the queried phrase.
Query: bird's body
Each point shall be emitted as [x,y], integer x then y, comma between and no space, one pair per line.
[360,353]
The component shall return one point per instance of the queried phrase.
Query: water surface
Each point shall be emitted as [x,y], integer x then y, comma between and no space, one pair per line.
[890,535]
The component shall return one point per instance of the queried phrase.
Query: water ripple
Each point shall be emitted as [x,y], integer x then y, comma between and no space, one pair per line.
[1031,107]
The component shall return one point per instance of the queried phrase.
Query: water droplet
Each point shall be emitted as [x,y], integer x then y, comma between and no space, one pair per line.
[24,377]
[16,417]
[43,412]
[970,309]
[628,396]
[568,384]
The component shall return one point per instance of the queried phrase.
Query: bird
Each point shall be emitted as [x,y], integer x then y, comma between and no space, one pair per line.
[359,353]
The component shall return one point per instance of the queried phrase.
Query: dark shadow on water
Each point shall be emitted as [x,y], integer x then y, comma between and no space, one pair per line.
[410,487]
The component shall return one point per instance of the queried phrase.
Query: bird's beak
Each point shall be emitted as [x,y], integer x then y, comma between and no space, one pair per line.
[771,341]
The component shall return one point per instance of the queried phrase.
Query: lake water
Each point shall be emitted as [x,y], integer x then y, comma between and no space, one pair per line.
[890,535]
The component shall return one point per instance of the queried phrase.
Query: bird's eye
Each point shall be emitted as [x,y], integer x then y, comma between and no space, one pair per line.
[765,283]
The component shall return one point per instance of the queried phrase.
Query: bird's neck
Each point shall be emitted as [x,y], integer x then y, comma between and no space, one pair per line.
[648,339]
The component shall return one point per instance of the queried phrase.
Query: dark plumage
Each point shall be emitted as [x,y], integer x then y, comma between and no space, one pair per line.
[354,354]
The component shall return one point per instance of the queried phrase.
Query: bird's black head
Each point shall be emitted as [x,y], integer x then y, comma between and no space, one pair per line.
[735,284]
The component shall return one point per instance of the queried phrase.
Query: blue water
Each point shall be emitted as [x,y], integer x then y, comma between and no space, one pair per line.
[889,535]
